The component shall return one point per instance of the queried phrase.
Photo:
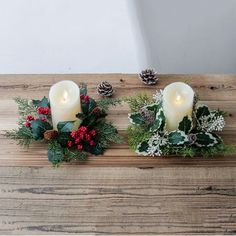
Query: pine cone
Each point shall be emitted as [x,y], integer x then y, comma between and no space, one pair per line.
[50,134]
[105,89]
[148,77]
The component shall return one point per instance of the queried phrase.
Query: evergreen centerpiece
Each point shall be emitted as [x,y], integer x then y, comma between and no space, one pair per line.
[72,140]
[195,134]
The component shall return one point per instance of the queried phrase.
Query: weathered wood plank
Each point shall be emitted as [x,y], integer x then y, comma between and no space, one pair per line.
[209,87]
[117,201]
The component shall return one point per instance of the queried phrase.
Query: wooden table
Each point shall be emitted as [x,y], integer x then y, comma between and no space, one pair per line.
[119,192]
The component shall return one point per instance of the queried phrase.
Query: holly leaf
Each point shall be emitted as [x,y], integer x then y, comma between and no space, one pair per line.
[186,125]
[142,148]
[88,106]
[81,116]
[92,105]
[65,126]
[159,122]
[153,107]
[38,127]
[205,139]
[177,137]
[55,153]
[136,118]
[202,110]
[41,103]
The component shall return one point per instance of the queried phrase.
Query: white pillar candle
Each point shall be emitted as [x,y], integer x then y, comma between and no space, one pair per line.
[177,103]
[64,98]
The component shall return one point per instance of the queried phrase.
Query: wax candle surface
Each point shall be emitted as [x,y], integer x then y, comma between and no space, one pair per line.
[177,103]
[64,99]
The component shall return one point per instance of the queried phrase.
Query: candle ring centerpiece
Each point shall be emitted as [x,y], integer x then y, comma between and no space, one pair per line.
[173,122]
[72,123]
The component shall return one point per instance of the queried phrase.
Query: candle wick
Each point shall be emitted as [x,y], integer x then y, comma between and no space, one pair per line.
[65,97]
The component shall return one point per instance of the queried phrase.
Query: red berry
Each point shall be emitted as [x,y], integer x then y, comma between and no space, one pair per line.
[79,147]
[87,137]
[77,141]
[81,135]
[27,124]
[83,129]
[44,120]
[91,143]
[29,118]
[73,134]
[69,143]
[86,98]
[43,110]
[93,132]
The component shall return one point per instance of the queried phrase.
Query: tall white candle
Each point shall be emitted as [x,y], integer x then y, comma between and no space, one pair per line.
[177,103]
[64,98]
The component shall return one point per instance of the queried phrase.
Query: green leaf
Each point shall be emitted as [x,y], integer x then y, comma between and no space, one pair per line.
[205,139]
[159,122]
[87,107]
[142,148]
[41,103]
[136,118]
[202,110]
[177,137]
[63,138]
[97,150]
[81,116]
[55,153]
[153,107]
[38,127]
[65,126]
[186,125]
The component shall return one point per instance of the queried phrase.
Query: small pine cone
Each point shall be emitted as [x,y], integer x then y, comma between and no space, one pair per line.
[148,77]
[50,134]
[105,89]
[147,115]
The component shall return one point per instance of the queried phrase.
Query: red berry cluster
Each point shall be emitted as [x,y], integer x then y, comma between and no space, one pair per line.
[28,120]
[43,110]
[84,98]
[31,118]
[82,136]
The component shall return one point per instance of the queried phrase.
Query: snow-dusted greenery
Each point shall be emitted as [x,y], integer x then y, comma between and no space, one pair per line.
[195,136]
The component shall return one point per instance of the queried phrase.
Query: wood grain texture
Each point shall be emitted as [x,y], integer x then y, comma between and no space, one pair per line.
[127,194]
[119,201]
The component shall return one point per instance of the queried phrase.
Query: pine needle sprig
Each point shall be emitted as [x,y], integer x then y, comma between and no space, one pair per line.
[25,107]
[137,102]
[23,136]
[74,155]
[106,103]
[108,134]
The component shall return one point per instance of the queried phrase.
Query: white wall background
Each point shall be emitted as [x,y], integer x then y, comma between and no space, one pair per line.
[76,36]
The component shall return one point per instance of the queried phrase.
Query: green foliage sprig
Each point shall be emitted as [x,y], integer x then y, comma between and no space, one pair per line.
[72,140]
[195,136]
